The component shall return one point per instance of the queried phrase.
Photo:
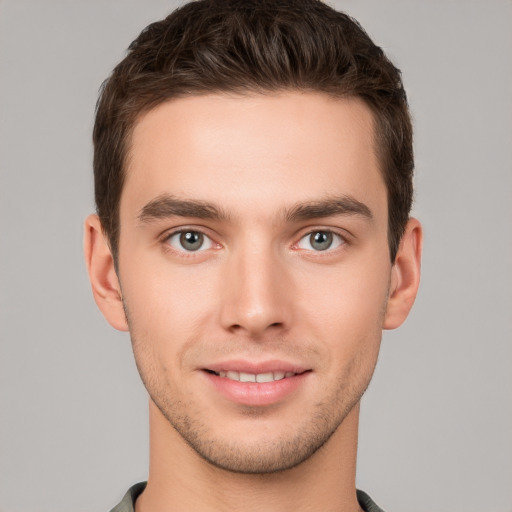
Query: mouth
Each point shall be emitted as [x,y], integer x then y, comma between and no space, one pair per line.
[240,376]
[257,385]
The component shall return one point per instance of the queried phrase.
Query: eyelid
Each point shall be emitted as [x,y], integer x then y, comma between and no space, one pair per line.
[341,234]
[168,234]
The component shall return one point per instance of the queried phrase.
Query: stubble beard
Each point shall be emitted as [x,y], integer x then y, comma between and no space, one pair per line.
[275,454]
[278,454]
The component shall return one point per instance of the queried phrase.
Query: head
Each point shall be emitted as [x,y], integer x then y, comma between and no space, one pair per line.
[253,170]
[245,47]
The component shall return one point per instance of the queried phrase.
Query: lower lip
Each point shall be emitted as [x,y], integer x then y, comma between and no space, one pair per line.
[257,393]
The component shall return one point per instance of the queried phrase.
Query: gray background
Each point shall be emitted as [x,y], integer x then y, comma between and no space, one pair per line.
[436,428]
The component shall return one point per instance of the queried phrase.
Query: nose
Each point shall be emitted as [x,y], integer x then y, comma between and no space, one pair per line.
[257,294]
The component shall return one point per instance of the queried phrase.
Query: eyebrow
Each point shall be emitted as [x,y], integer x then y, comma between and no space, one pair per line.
[342,205]
[165,206]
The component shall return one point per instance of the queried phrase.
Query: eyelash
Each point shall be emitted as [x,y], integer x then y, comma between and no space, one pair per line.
[182,231]
[335,238]
[341,241]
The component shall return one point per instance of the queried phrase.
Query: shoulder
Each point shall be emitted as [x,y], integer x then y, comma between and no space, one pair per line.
[127,504]
[367,504]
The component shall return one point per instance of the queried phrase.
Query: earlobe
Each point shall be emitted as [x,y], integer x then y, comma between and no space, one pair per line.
[102,274]
[405,276]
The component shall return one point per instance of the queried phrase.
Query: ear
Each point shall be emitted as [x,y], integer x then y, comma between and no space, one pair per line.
[102,274]
[405,276]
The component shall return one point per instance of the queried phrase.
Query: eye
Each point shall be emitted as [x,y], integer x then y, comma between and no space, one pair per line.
[189,241]
[320,241]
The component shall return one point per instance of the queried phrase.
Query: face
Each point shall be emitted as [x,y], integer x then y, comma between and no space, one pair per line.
[254,270]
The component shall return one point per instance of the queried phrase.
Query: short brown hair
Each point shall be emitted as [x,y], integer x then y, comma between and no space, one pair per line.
[244,46]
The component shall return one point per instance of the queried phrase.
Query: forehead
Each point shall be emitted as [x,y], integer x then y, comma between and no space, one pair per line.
[266,150]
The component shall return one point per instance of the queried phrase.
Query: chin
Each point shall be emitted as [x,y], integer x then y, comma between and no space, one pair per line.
[263,450]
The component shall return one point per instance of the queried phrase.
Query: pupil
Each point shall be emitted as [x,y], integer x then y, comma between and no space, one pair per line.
[321,240]
[191,240]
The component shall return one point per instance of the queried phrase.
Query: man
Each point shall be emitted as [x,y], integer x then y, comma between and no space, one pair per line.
[253,177]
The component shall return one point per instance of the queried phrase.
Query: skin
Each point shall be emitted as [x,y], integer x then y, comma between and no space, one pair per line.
[257,292]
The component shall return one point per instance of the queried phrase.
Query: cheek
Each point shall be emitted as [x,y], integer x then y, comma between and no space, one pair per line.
[347,306]
[161,321]
[350,293]
[166,303]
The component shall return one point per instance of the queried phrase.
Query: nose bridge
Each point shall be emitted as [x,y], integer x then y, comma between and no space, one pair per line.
[255,291]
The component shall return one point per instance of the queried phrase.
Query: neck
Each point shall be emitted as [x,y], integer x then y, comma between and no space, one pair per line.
[179,479]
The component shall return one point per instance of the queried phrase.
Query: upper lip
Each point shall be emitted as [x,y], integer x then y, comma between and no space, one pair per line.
[256,368]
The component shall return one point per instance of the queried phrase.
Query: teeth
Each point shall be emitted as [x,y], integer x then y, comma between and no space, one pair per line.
[251,377]
[265,377]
